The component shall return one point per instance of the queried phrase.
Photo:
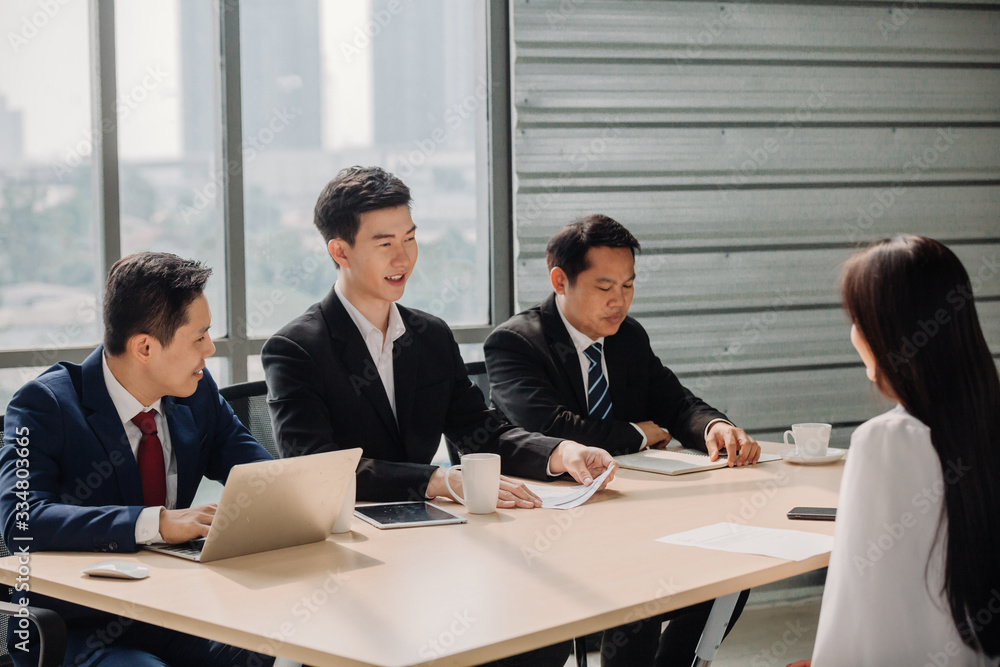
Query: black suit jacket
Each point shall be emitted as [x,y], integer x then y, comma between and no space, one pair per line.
[325,393]
[536,382]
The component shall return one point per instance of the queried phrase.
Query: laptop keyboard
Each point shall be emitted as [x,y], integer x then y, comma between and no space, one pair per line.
[192,548]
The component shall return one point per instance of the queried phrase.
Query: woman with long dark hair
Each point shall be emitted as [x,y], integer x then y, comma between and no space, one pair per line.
[914,576]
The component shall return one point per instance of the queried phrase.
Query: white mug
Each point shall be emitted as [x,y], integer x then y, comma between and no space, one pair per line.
[810,440]
[480,480]
[343,522]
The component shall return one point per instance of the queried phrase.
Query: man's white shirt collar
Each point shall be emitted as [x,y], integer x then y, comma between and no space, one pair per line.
[125,403]
[580,340]
[396,326]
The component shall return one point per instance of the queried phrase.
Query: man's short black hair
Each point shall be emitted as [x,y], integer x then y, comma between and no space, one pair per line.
[149,293]
[568,248]
[354,191]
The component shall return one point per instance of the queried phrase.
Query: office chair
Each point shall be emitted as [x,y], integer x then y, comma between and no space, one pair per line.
[477,374]
[51,627]
[249,401]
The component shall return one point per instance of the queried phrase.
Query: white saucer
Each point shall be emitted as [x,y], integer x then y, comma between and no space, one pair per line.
[832,454]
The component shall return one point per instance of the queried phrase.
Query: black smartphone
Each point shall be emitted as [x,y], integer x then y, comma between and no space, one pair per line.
[813,513]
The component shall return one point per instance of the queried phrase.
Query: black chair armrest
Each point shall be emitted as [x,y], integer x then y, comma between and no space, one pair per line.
[51,631]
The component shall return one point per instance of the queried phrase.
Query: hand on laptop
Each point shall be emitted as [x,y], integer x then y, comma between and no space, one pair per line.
[583,464]
[178,526]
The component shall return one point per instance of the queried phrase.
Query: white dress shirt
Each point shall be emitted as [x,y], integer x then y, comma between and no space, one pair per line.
[882,604]
[378,346]
[147,526]
[581,342]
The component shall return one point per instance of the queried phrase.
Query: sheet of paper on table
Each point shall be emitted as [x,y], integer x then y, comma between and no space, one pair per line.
[737,538]
[568,497]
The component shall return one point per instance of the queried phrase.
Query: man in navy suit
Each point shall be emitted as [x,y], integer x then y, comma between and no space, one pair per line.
[115,448]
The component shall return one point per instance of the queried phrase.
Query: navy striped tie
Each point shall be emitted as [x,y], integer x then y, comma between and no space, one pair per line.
[598,395]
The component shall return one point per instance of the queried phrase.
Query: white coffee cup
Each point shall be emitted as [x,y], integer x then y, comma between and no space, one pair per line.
[480,481]
[343,522]
[810,440]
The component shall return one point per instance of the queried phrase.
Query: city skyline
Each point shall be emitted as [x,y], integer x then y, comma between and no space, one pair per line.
[56,114]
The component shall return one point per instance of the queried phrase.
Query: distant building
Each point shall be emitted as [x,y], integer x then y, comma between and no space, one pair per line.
[280,60]
[200,81]
[11,135]
[417,80]
[280,64]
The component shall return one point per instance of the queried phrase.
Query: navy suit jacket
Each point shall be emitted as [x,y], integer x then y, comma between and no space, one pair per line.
[84,490]
[536,382]
[325,393]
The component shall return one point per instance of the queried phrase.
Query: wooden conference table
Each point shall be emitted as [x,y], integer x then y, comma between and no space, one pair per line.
[463,594]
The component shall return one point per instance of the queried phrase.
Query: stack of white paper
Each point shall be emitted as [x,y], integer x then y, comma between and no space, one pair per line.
[734,537]
[568,497]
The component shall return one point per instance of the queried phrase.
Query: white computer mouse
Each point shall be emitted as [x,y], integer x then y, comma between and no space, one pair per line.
[117,569]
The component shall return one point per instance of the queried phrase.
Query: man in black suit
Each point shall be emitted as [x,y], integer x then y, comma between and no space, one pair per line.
[576,366]
[358,370]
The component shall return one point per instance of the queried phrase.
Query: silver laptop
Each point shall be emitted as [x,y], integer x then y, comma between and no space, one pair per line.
[269,505]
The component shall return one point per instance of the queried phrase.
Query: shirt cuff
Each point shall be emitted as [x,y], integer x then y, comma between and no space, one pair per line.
[644,442]
[712,423]
[147,526]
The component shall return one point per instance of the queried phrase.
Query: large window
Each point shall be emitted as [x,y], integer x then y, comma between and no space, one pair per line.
[331,84]
[48,235]
[49,276]
[324,85]
[169,135]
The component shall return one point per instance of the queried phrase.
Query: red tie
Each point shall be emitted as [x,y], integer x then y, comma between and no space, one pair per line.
[150,459]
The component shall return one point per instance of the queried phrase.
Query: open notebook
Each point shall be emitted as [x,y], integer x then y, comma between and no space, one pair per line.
[677,461]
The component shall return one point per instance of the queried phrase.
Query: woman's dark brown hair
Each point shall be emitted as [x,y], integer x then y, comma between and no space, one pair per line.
[911,299]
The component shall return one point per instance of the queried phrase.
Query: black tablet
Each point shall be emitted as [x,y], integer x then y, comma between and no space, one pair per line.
[405,514]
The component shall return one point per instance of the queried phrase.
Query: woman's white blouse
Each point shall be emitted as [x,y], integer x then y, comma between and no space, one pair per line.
[882,604]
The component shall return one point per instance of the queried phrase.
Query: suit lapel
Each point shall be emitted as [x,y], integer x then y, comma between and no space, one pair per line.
[363,374]
[107,427]
[404,372]
[184,443]
[567,359]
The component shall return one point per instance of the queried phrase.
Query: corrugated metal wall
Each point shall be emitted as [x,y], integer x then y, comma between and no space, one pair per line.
[751,147]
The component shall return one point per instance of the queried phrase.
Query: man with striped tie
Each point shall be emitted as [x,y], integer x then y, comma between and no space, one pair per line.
[577,367]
